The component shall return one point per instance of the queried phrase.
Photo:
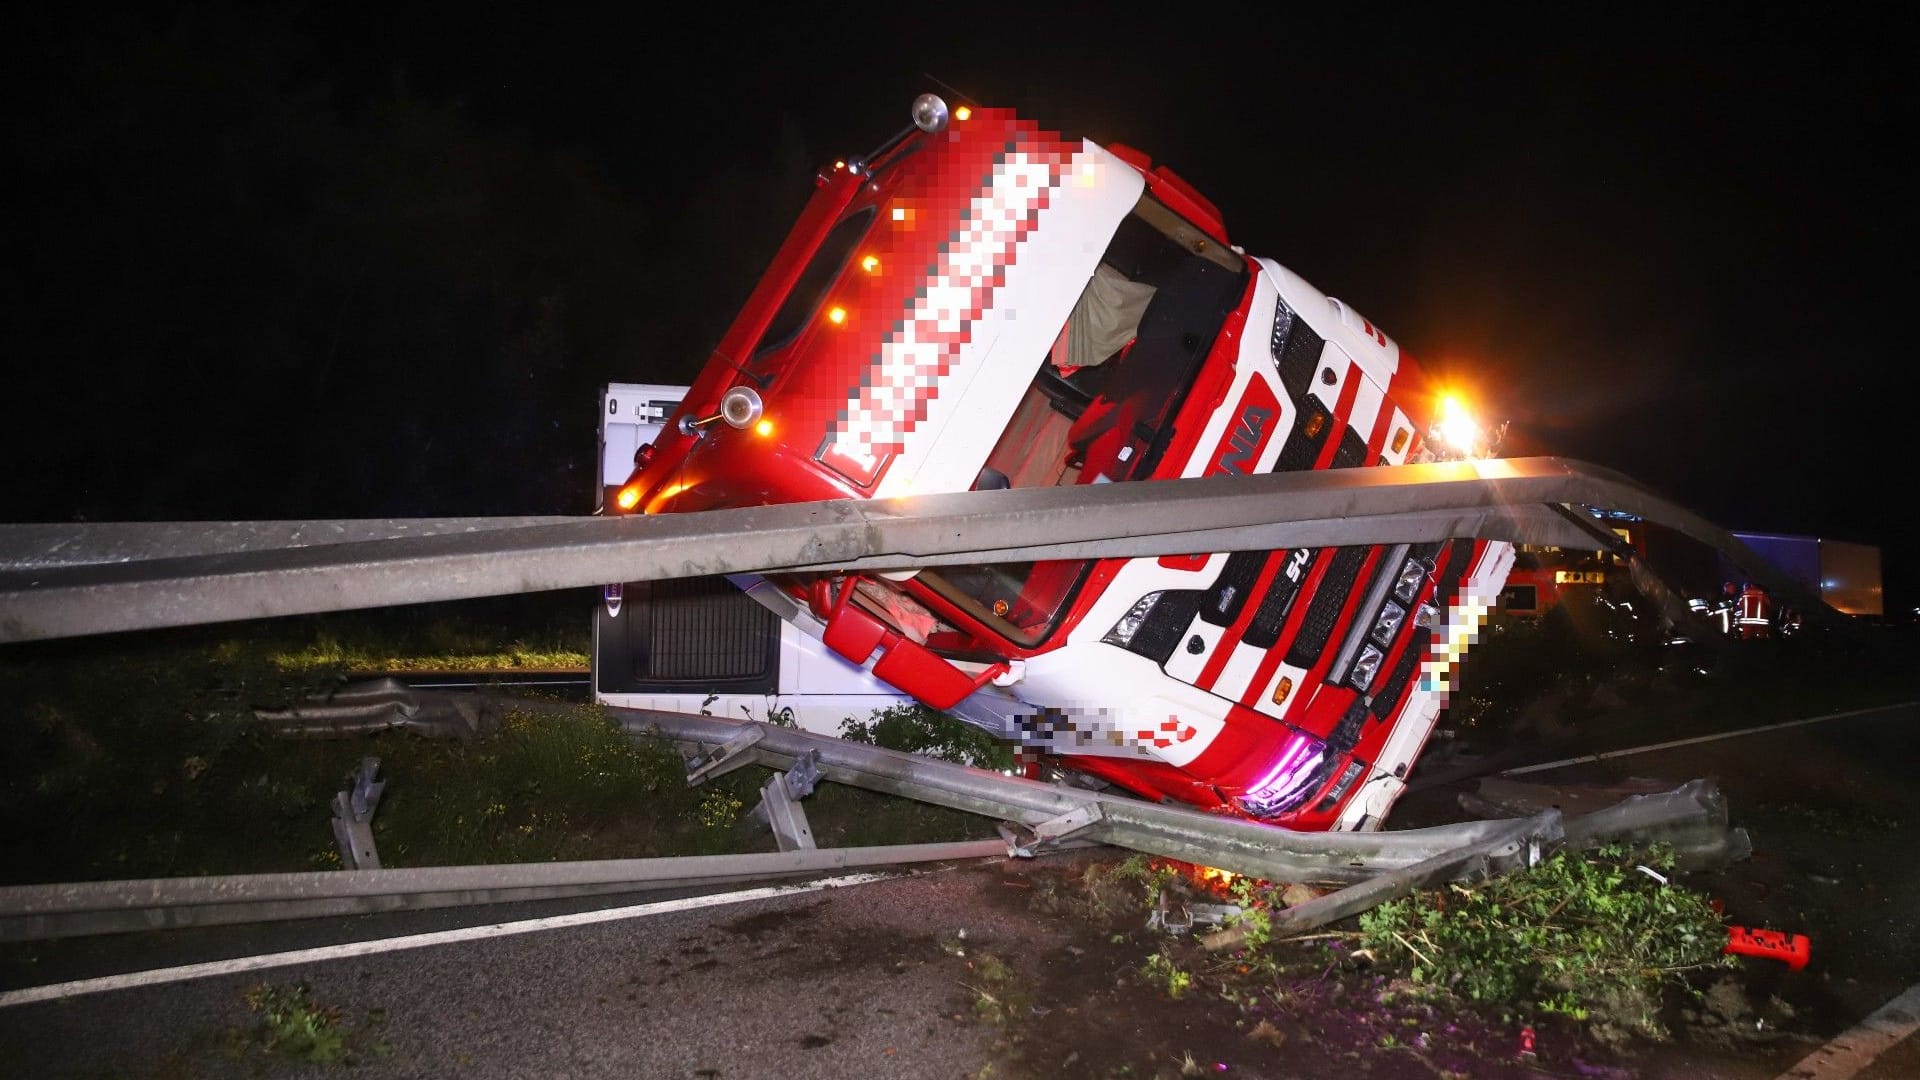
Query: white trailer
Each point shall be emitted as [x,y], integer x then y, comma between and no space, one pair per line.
[716,645]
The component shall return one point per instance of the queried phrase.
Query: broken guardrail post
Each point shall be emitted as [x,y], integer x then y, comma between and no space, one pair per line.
[779,808]
[353,816]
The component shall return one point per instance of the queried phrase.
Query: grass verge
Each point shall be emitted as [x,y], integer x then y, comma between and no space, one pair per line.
[138,756]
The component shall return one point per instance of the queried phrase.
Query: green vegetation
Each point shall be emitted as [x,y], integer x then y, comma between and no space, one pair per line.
[1581,933]
[139,756]
[1585,937]
[917,729]
[293,1025]
[1000,996]
[451,648]
[1166,973]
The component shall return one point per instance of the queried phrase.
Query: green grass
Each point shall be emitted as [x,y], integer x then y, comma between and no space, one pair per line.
[138,756]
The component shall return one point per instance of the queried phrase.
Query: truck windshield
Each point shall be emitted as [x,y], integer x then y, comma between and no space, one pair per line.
[1105,399]
[810,290]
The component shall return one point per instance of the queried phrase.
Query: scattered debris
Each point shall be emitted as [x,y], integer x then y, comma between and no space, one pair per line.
[1793,950]
[1265,1032]
[363,708]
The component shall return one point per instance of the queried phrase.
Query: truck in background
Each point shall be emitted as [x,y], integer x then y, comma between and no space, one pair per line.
[716,645]
[1844,574]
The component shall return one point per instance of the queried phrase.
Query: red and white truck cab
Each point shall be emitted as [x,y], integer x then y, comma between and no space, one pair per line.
[983,304]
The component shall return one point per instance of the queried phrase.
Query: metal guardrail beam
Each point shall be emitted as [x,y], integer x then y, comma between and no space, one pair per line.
[36,912]
[72,580]
[1693,816]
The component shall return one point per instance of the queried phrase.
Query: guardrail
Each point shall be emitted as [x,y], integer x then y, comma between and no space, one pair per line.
[73,580]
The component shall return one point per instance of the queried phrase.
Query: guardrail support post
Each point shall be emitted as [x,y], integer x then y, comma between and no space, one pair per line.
[353,816]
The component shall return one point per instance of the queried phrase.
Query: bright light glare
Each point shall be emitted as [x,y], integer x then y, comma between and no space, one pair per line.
[763,429]
[962,113]
[1457,426]
[837,315]
[628,498]
[871,264]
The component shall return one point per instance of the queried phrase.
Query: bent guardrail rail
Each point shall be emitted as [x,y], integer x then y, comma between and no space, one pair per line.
[73,580]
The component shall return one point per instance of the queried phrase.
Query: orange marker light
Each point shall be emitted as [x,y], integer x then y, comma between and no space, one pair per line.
[628,498]
[763,429]
[871,264]
[962,113]
[837,315]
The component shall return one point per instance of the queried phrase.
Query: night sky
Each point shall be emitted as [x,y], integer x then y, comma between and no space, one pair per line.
[358,260]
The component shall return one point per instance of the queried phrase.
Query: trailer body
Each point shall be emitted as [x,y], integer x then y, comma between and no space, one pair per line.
[712,645]
[1844,574]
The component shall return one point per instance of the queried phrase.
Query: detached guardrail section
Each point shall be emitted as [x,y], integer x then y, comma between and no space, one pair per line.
[1034,818]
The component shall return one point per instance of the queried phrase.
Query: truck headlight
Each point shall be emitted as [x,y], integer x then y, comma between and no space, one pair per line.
[1130,623]
[1412,576]
[1384,627]
[1366,667]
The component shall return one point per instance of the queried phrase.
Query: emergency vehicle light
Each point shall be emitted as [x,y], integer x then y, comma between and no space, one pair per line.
[628,498]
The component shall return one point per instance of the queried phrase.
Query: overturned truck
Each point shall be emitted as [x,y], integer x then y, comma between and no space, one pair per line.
[985,304]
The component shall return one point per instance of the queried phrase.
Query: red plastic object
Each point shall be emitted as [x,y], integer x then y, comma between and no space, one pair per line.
[906,664]
[1526,1042]
[1792,950]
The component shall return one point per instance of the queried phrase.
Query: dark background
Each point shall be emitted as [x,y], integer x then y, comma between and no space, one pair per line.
[356,260]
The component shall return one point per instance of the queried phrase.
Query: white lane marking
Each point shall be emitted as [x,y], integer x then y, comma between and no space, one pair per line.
[345,950]
[1856,1048]
[1586,758]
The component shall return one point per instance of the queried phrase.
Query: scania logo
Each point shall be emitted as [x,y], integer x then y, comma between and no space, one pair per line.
[1245,441]
[1243,444]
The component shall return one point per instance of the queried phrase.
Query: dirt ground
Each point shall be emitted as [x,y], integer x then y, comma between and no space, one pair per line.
[1086,1008]
[1826,806]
